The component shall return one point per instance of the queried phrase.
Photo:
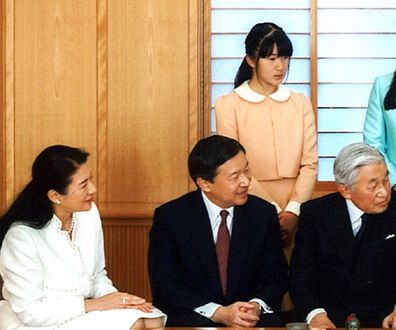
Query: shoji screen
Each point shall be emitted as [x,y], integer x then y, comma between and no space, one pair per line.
[355,41]
[232,20]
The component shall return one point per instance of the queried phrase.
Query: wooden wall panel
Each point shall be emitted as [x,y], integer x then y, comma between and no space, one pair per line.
[122,79]
[126,254]
[8,94]
[148,103]
[53,59]
[2,107]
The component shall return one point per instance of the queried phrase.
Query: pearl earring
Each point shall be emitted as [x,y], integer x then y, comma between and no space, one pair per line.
[57,202]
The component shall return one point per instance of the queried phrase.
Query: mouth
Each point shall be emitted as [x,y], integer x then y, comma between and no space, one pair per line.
[383,204]
[243,193]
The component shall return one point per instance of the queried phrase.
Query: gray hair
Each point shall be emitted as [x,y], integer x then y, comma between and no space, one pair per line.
[351,158]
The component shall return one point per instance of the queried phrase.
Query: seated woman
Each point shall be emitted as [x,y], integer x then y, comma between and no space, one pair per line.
[52,256]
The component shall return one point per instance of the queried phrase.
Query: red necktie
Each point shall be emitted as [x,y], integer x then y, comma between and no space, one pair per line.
[222,249]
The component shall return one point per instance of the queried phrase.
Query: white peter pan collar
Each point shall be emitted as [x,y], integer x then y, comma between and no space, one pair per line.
[248,94]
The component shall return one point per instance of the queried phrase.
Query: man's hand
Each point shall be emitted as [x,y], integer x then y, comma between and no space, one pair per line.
[239,314]
[256,310]
[390,321]
[321,321]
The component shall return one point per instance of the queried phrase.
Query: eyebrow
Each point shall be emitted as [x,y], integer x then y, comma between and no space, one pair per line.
[374,181]
[233,174]
[237,171]
[377,178]
[82,182]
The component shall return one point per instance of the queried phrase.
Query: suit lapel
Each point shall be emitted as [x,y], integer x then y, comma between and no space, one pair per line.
[342,233]
[344,238]
[238,248]
[377,229]
[203,236]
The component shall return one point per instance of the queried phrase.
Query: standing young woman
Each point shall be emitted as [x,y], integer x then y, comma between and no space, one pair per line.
[52,257]
[380,125]
[275,125]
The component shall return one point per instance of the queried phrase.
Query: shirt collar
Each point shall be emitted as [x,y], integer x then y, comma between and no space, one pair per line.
[214,210]
[245,92]
[55,224]
[355,215]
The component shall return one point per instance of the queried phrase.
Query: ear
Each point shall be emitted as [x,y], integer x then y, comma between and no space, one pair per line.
[250,61]
[203,184]
[53,196]
[344,191]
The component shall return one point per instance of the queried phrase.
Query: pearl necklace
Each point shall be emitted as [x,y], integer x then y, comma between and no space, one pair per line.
[72,223]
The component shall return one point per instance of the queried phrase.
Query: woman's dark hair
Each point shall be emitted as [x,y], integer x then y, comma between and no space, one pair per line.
[390,98]
[210,153]
[52,169]
[260,43]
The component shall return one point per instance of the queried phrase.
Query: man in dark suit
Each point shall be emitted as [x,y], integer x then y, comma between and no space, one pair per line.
[344,259]
[190,281]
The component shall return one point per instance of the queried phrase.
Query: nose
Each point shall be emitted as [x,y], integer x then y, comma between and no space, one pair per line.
[280,65]
[245,179]
[384,190]
[91,188]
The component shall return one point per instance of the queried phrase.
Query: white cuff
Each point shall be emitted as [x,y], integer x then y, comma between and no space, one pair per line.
[265,309]
[278,208]
[293,207]
[313,313]
[207,310]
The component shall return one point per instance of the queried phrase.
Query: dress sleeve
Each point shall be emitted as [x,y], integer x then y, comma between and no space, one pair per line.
[226,120]
[306,178]
[374,131]
[101,284]
[23,274]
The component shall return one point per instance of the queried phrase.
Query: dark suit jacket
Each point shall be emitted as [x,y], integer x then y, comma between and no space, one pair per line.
[329,270]
[183,264]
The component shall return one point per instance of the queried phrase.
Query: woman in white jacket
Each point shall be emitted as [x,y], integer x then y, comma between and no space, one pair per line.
[52,257]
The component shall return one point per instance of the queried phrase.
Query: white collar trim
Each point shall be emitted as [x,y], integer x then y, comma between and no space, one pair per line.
[248,94]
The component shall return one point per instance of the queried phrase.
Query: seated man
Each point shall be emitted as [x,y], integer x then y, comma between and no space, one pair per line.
[344,256]
[215,256]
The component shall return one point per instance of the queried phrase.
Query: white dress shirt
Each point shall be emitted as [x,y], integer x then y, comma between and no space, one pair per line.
[209,309]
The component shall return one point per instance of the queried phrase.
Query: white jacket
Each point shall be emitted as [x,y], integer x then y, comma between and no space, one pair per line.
[47,276]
